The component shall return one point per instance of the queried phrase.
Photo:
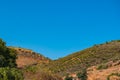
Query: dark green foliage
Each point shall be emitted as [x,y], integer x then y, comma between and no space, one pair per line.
[8,65]
[82,75]
[68,78]
[12,58]
[7,56]
[10,74]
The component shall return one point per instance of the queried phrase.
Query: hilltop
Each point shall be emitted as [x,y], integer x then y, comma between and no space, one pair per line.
[27,57]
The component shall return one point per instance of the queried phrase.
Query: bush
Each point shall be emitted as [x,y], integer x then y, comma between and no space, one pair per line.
[68,78]
[10,74]
[82,75]
[8,65]
[32,69]
[7,56]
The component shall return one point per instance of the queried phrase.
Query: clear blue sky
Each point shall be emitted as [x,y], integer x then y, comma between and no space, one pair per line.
[57,28]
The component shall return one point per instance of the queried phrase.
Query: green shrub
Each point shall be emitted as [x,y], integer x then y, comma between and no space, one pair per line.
[7,56]
[68,78]
[82,75]
[32,69]
[10,74]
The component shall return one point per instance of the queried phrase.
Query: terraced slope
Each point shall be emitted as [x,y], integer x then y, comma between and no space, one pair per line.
[109,51]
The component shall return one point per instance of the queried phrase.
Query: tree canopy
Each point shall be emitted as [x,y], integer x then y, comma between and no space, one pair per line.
[7,55]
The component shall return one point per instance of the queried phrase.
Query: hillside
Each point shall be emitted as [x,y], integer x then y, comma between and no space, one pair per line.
[27,61]
[106,71]
[37,67]
[26,57]
[35,72]
[76,62]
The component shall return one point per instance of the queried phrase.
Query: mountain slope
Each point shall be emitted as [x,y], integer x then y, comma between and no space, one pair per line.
[76,62]
[71,64]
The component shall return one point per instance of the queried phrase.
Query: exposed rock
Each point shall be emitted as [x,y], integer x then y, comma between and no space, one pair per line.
[102,74]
